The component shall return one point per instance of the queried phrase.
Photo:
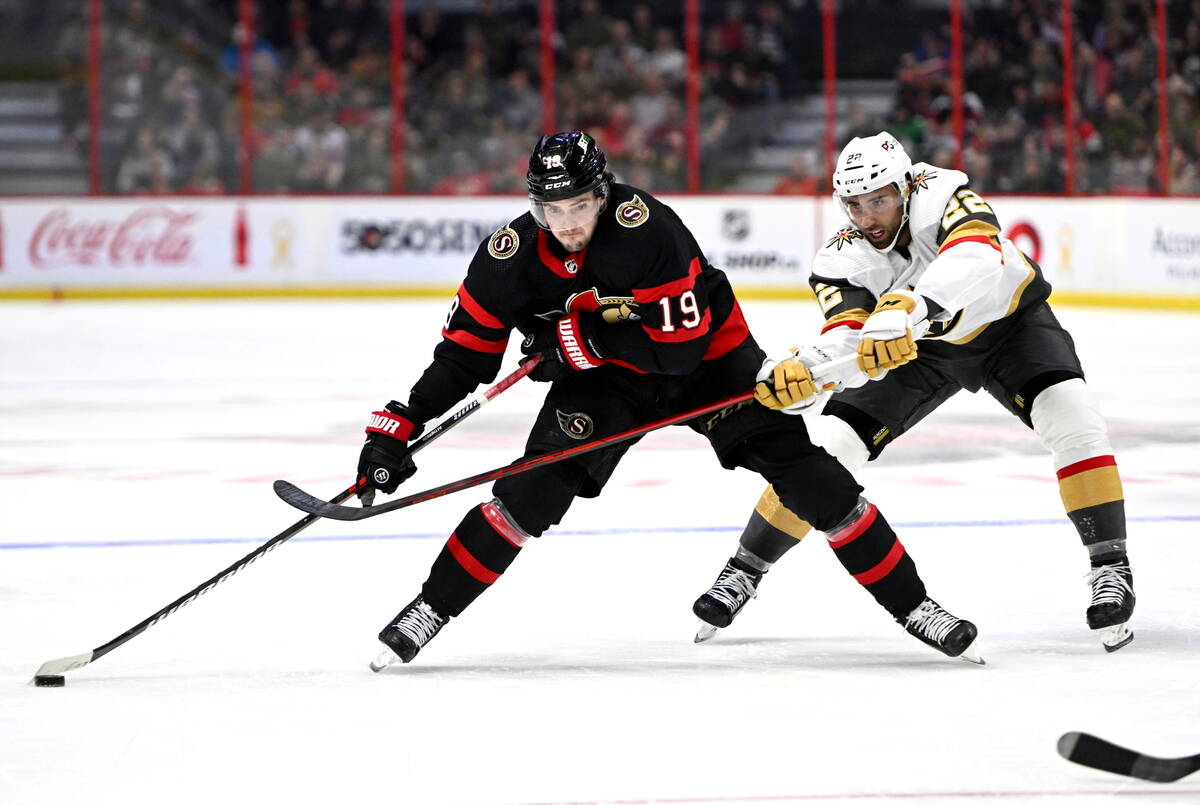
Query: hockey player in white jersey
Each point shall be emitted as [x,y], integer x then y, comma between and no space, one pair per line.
[923,285]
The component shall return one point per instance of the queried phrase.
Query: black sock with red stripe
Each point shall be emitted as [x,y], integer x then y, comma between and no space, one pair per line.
[870,551]
[482,547]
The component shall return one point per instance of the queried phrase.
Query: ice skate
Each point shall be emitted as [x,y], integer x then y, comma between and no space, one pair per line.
[408,633]
[934,626]
[717,608]
[1112,603]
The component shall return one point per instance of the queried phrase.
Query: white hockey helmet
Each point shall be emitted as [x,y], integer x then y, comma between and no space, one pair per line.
[867,164]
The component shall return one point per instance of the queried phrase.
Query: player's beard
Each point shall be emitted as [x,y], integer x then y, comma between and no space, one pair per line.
[575,240]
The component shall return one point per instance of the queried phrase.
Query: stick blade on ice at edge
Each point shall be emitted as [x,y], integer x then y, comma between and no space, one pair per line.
[1097,753]
[63,664]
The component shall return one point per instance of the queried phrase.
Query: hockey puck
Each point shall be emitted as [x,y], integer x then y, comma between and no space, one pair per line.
[50,681]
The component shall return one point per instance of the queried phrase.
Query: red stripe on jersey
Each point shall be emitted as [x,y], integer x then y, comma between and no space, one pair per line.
[681,333]
[883,568]
[851,323]
[995,244]
[1085,465]
[475,343]
[729,335]
[503,526]
[469,563]
[476,310]
[853,531]
[673,288]
[553,263]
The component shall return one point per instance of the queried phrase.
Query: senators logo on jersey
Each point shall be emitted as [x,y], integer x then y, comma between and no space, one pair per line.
[577,425]
[503,244]
[632,213]
[612,309]
[844,237]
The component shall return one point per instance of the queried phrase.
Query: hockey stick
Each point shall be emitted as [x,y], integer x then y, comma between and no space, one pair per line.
[1088,750]
[294,496]
[64,664]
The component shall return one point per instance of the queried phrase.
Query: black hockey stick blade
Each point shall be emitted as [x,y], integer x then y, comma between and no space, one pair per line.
[294,496]
[1097,753]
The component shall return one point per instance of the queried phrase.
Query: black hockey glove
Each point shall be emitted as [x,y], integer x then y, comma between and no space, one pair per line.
[570,345]
[385,461]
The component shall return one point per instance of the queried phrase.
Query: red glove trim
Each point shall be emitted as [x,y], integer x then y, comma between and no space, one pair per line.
[390,424]
[574,346]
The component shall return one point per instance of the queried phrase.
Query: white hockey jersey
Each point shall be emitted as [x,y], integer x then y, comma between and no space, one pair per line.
[957,258]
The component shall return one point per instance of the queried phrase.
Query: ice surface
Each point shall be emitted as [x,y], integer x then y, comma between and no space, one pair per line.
[138,442]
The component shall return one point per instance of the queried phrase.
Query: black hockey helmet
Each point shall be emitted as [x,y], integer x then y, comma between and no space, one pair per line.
[566,164]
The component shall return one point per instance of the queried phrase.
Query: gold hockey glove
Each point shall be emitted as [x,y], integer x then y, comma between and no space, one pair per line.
[887,338]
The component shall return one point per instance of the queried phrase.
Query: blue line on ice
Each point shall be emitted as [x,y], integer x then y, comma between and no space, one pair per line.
[147,543]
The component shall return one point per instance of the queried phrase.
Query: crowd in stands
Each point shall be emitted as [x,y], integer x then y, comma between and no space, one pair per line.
[322,93]
[1015,134]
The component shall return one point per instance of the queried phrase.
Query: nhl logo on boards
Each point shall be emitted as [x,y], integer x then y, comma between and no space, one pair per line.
[503,244]
[381,475]
[578,426]
[632,213]
[735,224]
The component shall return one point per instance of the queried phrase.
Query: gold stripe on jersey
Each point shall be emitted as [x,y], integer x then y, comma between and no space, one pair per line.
[1012,305]
[1090,488]
[855,315]
[771,509]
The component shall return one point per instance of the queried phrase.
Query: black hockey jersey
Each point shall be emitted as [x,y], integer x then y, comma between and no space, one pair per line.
[641,255]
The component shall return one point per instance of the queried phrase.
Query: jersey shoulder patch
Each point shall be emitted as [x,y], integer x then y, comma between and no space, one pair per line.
[844,237]
[632,213]
[504,243]
[932,189]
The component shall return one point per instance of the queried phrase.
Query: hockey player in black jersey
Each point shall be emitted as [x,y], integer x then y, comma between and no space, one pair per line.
[609,286]
[923,266]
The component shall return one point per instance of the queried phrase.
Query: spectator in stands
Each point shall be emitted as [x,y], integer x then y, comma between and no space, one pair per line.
[801,180]
[323,146]
[667,60]
[147,168]
[589,28]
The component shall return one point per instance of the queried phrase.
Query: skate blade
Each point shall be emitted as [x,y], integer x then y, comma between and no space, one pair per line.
[971,654]
[386,657]
[1116,637]
[706,632]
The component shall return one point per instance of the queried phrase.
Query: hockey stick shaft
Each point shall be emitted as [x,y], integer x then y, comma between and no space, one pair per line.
[65,664]
[294,496]
[1097,753]
[297,497]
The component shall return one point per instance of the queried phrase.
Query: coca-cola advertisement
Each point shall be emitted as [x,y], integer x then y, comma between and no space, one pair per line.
[144,242]
[153,236]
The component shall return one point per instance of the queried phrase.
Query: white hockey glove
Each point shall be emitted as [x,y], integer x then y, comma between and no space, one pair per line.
[785,384]
[887,338]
